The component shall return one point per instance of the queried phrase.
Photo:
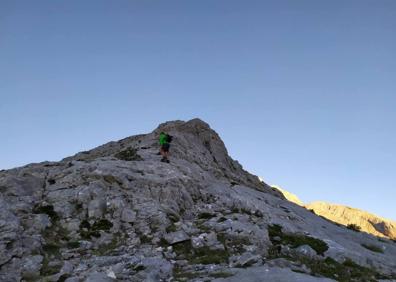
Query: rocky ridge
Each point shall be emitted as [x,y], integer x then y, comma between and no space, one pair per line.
[115,213]
[350,217]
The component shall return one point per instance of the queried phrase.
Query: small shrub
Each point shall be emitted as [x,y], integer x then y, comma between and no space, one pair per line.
[296,240]
[102,224]
[171,228]
[144,239]
[111,179]
[48,210]
[373,248]
[129,154]
[235,210]
[203,255]
[221,219]
[87,230]
[73,244]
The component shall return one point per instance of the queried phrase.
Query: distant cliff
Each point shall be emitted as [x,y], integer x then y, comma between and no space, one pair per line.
[367,222]
[344,215]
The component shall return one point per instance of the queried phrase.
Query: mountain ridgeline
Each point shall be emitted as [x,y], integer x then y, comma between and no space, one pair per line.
[350,217]
[116,213]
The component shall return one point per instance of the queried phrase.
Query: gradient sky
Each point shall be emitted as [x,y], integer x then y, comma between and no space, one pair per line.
[302,92]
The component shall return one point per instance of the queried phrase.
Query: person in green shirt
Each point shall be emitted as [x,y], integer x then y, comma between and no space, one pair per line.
[164,140]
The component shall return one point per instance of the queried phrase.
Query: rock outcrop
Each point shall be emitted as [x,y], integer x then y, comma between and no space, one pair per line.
[116,213]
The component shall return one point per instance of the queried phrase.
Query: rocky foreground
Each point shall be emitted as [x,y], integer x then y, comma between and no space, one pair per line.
[116,213]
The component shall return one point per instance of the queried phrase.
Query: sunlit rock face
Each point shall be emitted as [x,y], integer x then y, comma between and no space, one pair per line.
[345,215]
[117,213]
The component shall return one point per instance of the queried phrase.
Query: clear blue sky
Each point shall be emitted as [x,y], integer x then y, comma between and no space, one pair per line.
[302,92]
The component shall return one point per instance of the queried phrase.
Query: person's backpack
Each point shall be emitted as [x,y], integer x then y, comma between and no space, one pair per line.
[169,138]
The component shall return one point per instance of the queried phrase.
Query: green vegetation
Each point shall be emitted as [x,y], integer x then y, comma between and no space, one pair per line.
[87,231]
[296,240]
[49,267]
[233,244]
[246,211]
[105,249]
[129,154]
[203,255]
[221,274]
[144,239]
[111,179]
[73,244]
[46,209]
[221,219]
[235,210]
[63,277]
[206,215]
[171,228]
[373,248]
[354,227]
[342,272]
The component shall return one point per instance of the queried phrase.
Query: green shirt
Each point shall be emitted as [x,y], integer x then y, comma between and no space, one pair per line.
[162,139]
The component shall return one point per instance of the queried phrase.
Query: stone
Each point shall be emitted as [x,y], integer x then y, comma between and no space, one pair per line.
[305,250]
[31,267]
[176,237]
[128,215]
[98,277]
[245,260]
[96,208]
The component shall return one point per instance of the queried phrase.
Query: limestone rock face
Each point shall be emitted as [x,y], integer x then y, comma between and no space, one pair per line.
[117,213]
[345,215]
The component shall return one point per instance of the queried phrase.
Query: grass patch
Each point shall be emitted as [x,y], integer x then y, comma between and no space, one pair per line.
[373,248]
[171,228]
[203,255]
[296,240]
[111,179]
[233,244]
[106,249]
[206,215]
[129,154]
[73,244]
[48,210]
[144,239]
[87,231]
[235,210]
[49,268]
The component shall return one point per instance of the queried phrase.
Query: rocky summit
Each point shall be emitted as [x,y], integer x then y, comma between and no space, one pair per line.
[116,213]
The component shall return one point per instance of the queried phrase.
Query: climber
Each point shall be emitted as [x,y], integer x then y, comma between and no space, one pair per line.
[164,140]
